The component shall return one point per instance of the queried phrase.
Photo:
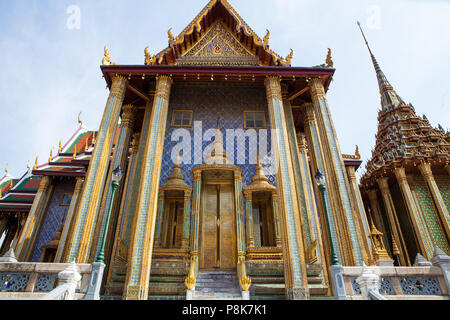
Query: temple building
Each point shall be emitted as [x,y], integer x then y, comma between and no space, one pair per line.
[217,170]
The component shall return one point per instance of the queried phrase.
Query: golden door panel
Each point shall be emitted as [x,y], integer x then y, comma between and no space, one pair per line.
[218,240]
[209,228]
[227,228]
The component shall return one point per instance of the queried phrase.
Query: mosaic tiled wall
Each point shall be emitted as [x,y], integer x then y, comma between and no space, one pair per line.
[430,213]
[53,217]
[226,102]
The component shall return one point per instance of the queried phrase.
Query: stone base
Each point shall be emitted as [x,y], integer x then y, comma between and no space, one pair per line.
[297,293]
[385,263]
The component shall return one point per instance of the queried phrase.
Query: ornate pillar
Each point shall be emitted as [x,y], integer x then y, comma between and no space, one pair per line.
[425,169]
[187,219]
[317,163]
[313,214]
[96,175]
[240,223]
[422,235]
[360,214]
[138,273]
[62,254]
[120,157]
[197,185]
[35,216]
[396,230]
[294,263]
[336,170]
[159,219]
[298,177]
[276,216]
[249,219]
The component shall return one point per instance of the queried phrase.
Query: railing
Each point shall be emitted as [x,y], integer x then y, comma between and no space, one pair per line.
[50,281]
[424,281]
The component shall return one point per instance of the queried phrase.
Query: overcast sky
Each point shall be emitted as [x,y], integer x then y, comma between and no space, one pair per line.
[51,69]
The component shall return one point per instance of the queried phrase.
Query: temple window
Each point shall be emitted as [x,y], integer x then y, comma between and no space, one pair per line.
[254,120]
[263,220]
[172,222]
[182,118]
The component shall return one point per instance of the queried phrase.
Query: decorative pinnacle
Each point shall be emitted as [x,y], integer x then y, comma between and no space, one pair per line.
[51,155]
[36,163]
[28,164]
[6,169]
[59,148]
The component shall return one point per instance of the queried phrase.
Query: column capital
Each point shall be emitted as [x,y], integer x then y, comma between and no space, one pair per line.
[119,86]
[273,87]
[316,86]
[400,173]
[425,169]
[301,141]
[136,142]
[128,115]
[383,183]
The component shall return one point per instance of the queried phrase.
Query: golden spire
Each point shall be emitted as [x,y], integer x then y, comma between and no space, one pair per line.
[357,154]
[36,163]
[395,249]
[59,148]
[51,155]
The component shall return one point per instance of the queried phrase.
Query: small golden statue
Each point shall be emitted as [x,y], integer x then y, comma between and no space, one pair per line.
[357,154]
[266,38]
[106,58]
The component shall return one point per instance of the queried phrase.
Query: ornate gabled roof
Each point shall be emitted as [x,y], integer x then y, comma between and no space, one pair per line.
[402,137]
[20,193]
[237,31]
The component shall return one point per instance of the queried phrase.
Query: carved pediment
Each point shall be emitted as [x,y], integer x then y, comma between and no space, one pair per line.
[218,47]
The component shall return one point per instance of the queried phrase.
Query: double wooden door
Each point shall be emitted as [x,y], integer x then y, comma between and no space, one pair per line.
[218,228]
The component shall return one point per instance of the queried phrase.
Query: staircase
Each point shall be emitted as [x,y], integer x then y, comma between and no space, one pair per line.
[217,285]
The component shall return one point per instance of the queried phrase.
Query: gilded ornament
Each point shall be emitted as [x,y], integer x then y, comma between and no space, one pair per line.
[149,59]
[171,37]
[36,163]
[79,119]
[266,38]
[106,58]
[288,59]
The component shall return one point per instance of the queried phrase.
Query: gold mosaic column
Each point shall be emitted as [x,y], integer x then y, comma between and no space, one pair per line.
[276,216]
[119,159]
[422,235]
[159,219]
[294,262]
[187,219]
[249,216]
[138,273]
[34,220]
[317,163]
[396,230]
[239,214]
[197,185]
[425,169]
[336,171]
[123,213]
[313,214]
[61,254]
[360,214]
[96,174]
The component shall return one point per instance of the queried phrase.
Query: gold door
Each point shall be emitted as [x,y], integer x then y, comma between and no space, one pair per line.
[218,241]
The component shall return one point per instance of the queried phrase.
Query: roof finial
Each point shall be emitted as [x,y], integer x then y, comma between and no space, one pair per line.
[106,58]
[79,119]
[6,169]
[75,151]
[149,59]
[28,164]
[59,148]
[266,38]
[36,163]
[51,155]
